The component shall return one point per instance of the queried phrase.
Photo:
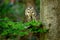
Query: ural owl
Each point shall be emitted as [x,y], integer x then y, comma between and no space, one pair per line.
[30,13]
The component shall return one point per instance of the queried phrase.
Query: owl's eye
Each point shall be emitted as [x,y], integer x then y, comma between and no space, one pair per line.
[31,12]
[28,12]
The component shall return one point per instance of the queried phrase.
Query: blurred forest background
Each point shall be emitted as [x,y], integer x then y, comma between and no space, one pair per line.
[15,9]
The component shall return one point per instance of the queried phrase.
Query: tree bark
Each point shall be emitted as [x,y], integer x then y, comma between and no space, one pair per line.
[50,13]
[30,3]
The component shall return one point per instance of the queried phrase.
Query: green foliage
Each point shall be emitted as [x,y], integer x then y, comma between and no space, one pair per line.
[19,28]
[14,9]
[17,9]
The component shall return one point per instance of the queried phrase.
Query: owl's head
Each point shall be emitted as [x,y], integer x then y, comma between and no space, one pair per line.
[29,10]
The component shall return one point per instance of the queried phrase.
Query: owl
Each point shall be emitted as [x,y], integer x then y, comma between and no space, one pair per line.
[30,13]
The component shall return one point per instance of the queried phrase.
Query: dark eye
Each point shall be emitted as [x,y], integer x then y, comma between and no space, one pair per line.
[28,12]
[32,12]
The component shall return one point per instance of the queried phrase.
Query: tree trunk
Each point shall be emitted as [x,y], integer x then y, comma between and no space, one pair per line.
[30,3]
[50,13]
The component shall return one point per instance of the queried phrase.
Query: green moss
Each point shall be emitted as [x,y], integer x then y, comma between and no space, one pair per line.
[20,28]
